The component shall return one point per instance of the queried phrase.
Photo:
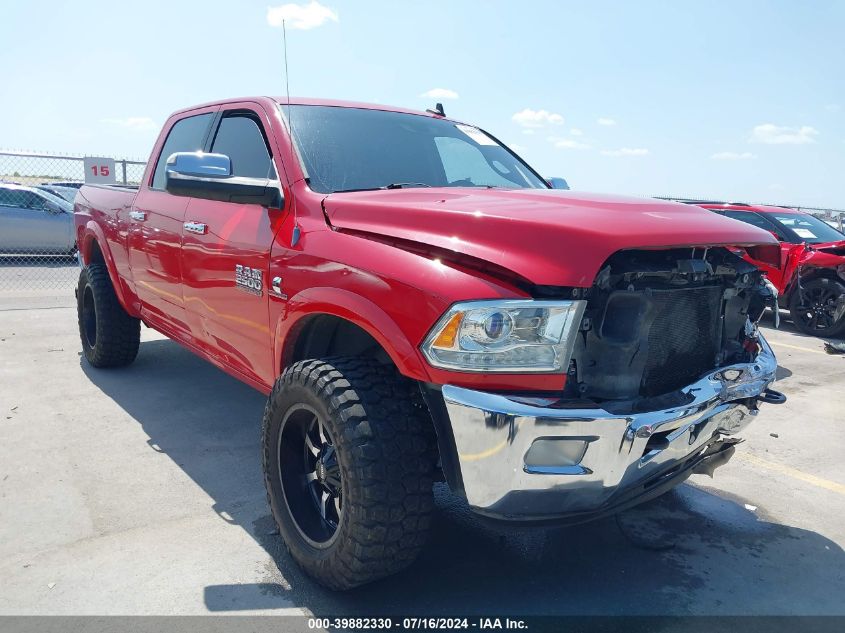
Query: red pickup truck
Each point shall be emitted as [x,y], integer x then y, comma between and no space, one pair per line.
[810,277]
[420,305]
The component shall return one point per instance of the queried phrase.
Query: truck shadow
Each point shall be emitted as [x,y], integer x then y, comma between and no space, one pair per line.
[690,551]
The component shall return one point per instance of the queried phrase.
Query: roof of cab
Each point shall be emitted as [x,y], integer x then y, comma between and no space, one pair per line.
[312,101]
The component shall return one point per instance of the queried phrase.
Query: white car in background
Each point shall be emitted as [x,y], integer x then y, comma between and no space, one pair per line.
[33,221]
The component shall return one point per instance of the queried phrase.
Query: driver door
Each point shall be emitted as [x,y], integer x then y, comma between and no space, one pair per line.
[226,255]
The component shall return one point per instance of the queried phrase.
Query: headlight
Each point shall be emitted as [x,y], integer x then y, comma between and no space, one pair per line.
[505,336]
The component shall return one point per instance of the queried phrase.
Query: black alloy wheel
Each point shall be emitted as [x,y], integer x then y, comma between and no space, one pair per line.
[813,308]
[310,474]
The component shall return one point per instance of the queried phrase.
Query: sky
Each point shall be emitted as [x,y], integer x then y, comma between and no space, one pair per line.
[741,100]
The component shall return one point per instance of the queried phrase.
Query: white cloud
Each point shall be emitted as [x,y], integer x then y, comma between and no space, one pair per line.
[772,134]
[537,118]
[606,121]
[733,156]
[626,151]
[833,107]
[301,16]
[138,123]
[567,143]
[440,93]
[576,132]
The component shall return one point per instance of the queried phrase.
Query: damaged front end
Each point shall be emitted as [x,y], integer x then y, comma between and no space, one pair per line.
[668,366]
[659,320]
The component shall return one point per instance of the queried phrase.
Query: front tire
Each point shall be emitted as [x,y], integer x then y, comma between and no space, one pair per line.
[813,313]
[348,456]
[110,337]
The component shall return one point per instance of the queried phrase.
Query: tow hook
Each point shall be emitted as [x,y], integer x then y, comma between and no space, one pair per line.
[770,396]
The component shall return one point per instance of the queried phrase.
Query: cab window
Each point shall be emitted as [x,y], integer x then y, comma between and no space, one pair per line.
[186,135]
[240,138]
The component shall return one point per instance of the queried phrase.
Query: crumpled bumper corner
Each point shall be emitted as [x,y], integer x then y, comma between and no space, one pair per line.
[536,458]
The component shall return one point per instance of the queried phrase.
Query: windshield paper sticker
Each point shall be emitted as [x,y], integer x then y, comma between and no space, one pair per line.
[805,233]
[475,134]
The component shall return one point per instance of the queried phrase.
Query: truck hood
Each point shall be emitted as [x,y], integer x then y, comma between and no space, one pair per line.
[549,237]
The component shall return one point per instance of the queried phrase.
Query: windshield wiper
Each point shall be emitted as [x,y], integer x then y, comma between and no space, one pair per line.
[403,185]
[393,185]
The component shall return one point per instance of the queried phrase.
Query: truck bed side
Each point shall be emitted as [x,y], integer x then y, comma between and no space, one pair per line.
[101,215]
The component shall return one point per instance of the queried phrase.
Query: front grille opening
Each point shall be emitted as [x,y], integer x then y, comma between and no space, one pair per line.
[682,339]
[657,321]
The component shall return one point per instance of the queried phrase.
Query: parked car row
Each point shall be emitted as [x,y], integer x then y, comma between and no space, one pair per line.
[35,221]
[810,277]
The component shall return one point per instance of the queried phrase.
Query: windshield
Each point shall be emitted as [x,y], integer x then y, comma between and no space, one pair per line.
[347,149]
[803,227]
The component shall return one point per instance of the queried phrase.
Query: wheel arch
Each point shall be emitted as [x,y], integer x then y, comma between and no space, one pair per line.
[329,311]
[93,250]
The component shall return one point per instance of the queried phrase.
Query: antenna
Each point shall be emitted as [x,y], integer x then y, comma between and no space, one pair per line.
[296,232]
[438,110]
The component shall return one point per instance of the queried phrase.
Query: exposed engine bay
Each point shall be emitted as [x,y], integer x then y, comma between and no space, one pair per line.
[657,321]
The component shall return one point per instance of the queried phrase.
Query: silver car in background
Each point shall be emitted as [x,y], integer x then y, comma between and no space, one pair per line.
[33,221]
[66,193]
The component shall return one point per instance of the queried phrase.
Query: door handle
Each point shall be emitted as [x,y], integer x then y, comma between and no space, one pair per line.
[196,227]
[138,215]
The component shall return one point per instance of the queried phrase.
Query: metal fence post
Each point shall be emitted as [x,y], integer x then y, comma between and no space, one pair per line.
[123,163]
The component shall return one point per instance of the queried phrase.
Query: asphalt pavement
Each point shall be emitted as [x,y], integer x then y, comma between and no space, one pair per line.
[139,491]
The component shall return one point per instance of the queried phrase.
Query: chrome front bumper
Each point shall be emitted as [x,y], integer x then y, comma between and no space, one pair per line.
[619,454]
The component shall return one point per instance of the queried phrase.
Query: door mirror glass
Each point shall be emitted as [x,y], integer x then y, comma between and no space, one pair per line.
[209,176]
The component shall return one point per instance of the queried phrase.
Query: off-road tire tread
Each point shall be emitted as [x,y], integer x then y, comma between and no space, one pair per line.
[387,450]
[118,333]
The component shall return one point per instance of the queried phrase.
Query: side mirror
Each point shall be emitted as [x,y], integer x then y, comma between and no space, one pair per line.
[556,182]
[209,176]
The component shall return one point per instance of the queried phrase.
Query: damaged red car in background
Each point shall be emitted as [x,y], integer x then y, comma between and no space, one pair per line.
[811,278]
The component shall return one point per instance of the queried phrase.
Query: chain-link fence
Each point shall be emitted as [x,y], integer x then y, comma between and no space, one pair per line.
[37,241]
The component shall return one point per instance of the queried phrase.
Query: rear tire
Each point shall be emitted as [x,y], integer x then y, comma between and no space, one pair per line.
[814,314]
[349,456]
[110,337]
